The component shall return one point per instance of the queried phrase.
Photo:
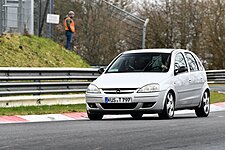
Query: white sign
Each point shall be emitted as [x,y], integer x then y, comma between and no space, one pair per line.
[52,18]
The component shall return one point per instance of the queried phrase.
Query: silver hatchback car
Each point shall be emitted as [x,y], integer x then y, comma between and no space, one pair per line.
[148,81]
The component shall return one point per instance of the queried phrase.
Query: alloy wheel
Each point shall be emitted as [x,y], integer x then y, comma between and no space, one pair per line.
[170,105]
[205,102]
[204,109]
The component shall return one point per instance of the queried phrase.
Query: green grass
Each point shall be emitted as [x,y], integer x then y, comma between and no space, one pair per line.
[217,97]
[33,51]
[37,110]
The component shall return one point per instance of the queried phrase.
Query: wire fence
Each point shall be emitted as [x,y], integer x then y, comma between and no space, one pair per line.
[135,27]
[16,16]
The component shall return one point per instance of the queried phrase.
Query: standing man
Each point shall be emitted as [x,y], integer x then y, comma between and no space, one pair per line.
[69,28]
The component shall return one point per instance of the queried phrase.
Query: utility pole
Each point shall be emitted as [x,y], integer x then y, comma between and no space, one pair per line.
[43,18]
[39,18]
[51,11]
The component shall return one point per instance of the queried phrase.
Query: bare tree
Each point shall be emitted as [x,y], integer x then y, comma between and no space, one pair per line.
[195,25]
[101,33]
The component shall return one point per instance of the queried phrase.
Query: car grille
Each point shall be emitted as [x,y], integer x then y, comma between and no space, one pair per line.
[119,91]
[119,105]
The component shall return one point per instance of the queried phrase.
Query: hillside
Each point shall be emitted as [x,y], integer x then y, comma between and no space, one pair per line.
[32,51]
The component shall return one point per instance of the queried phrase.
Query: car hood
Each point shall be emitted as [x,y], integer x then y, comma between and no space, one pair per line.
[128,80]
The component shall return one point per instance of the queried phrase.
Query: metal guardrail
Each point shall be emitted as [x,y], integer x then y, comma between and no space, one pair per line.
[37,81]
[216,76]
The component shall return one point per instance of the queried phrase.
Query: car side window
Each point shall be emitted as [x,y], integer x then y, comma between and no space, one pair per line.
[191,62]
[180,61]
[199,64]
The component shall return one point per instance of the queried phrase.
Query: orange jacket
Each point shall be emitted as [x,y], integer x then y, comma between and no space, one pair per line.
[69,26]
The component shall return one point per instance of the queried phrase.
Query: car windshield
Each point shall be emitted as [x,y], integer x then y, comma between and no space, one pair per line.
[141,62]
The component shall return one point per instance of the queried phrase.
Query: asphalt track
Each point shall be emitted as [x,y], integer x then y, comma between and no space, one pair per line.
[184,132]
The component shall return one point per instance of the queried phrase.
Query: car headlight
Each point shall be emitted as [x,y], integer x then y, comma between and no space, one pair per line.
[149,88]
[93,89]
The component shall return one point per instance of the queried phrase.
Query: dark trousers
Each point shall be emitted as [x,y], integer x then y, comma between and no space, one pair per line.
[69,36]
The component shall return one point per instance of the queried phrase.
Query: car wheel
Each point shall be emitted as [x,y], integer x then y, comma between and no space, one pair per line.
[94,116]
[203,110]
[136,115]
[168,110]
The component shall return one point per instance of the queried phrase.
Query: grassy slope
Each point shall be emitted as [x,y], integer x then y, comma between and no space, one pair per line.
[32,51]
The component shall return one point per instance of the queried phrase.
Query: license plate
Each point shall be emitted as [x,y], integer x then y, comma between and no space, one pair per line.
[118,100]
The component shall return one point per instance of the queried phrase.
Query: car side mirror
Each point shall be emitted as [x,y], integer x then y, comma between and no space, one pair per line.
[180,70]
[101,70]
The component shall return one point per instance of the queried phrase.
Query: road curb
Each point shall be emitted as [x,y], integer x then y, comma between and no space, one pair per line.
[82,116]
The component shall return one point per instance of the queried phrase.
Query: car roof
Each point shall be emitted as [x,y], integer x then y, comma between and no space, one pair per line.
[154,51]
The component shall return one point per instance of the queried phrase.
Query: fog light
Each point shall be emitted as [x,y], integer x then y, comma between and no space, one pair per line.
[92,105]
[148,105]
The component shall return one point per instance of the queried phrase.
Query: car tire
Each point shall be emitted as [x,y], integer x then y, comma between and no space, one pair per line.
[204,109]
[136,116]
[94,116]
[168,110]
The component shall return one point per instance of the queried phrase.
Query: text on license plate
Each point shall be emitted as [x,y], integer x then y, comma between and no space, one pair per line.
[118,100]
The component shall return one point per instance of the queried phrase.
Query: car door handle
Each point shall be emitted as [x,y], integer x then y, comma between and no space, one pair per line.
[189,80]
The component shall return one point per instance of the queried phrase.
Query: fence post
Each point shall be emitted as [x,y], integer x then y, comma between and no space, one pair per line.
[51,11]
[31,24]
[20,17]
[144,33]
[1,18]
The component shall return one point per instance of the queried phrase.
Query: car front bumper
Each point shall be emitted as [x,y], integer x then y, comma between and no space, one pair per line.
[141,103]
